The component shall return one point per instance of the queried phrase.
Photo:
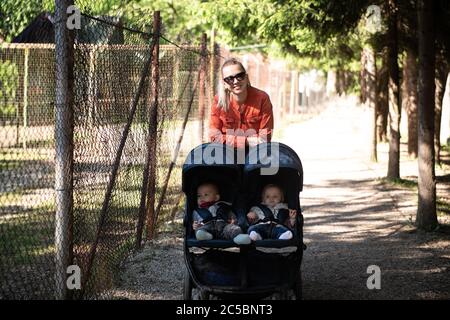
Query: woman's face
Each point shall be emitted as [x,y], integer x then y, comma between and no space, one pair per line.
[236,85]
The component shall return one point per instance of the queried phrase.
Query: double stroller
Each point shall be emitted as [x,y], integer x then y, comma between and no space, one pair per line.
[220,267]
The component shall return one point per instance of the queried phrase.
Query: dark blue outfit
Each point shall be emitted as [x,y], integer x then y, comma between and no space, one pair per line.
[268,226]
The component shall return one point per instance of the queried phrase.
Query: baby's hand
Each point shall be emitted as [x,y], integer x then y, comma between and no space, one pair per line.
[196,225]
[292,213]
[252,217]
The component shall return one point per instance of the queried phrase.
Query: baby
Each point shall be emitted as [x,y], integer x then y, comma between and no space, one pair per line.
[214,218]
[269,219]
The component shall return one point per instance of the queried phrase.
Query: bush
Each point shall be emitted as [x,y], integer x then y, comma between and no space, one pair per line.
[9,82]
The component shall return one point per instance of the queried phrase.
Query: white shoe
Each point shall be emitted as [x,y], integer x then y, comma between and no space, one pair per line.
[286,235]
[242,239]
[255,236]
[203,235]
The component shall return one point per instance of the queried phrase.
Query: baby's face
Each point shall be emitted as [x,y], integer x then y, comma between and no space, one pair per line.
[272,197]
[207,193]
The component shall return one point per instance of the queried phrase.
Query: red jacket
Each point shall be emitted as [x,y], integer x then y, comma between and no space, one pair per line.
[257,115]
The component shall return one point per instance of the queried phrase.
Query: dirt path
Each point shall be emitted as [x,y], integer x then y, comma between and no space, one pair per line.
[352,220]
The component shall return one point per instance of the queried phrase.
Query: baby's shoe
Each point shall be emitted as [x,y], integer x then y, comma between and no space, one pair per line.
[203,235]
[242,239]
[286,235]
[255,236]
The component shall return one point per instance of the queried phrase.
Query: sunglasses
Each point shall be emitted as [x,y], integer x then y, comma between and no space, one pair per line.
[239,77]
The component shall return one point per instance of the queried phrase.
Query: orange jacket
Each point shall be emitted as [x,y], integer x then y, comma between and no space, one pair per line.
[257,118]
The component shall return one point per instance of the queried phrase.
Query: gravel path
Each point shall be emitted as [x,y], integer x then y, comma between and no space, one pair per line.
[353,220]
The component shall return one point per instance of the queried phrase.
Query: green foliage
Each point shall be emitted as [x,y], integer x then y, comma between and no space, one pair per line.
[15,15]
[9,82]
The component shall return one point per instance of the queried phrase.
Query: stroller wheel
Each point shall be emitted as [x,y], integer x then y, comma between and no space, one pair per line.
[187,291]
[298,286]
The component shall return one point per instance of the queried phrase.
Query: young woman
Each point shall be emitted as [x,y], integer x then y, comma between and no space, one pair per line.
[241,115]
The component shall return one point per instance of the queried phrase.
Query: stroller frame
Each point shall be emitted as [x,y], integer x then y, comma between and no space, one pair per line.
[244,281]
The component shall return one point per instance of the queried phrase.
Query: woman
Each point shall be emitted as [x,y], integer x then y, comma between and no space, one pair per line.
[241,114]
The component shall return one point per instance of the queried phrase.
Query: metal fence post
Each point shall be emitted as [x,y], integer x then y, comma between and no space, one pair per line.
[64,124]
[153,132]
[25,97]
[202,89]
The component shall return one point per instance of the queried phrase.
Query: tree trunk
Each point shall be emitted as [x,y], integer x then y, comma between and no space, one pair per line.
[440,82]
[394,96]
[426,212]
[409,92]
[371,95]
[362,78]
[339,88]
[382,99]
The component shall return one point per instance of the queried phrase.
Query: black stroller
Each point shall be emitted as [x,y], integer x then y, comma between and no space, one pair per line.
[265,267]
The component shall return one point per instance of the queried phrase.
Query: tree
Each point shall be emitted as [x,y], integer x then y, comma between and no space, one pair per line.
[426,212]
[442,69]
[382,98]
[409,98]
[15,15]
[394,92]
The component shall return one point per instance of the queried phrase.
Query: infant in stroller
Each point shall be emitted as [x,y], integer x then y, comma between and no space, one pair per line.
[214,218]
[272,219]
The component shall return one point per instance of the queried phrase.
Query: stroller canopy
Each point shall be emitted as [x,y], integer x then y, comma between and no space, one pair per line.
[274,155]
[282,167]
[209,162]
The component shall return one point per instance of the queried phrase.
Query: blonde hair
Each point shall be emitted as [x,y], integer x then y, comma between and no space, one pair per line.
[222,93]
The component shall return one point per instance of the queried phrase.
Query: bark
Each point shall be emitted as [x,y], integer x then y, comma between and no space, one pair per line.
[371,93]
[394,96]
[426,212]
[382,99]
[409,92]
[339,86]
[440,81]
[362,78]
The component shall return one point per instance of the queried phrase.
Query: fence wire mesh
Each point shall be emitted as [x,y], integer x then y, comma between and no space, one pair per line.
[114,139]
[110,152]
[26,171]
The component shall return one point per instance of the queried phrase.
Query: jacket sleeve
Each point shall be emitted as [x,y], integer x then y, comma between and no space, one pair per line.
[215,124]
[197,217]
[258,212]
[266,124]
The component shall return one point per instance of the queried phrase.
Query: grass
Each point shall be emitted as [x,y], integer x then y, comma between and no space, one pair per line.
[404,183]
[27,236]
[443,207]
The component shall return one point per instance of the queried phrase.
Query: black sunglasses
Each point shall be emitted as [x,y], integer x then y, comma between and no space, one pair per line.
[239,77]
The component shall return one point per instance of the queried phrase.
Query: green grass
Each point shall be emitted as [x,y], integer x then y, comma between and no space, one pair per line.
[27,235]
[404,183]
[443,207]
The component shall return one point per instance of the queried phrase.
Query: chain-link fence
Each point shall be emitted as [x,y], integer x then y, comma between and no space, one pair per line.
[117,151]
[27,206]
[122,179]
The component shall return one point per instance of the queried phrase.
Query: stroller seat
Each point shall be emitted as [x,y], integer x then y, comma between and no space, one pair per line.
[222,267]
